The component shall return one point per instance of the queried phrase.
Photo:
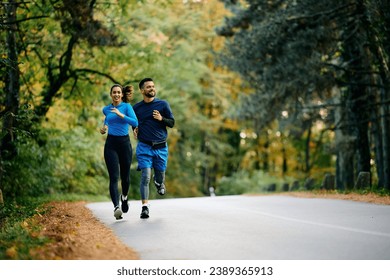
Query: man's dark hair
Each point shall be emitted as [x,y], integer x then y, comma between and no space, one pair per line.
[144,80]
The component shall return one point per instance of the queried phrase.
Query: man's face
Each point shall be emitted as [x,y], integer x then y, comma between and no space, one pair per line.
[149,90]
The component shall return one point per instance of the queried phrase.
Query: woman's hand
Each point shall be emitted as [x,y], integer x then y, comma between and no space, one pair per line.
[117,112]
[103,129]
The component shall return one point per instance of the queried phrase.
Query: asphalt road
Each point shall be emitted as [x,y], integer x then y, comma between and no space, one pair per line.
[253,228]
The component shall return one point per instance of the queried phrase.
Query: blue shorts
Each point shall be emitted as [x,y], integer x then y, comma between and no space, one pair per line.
[151,158]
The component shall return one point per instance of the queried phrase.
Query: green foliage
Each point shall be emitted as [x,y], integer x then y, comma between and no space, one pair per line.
[239,183]
[21,165]
[15,238]
[29,174]
[77,161]
[68,162]
[244,182]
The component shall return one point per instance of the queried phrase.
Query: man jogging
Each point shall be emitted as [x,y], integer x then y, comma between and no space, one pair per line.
[154,116]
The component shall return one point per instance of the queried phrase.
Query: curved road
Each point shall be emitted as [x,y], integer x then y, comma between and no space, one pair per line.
[253,228]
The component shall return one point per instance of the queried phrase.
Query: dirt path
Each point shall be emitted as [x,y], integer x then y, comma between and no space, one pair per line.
[78,235]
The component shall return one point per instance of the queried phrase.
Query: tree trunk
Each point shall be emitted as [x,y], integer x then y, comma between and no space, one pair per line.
[266,154]
[284,154]
[377,138]
[344,144]
[357,99]
[385,124]
[307,151]
[384,113]
[12,87]
[357,111]
[1,198]
[205,171]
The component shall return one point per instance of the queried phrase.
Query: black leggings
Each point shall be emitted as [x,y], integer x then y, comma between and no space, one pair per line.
[118,155]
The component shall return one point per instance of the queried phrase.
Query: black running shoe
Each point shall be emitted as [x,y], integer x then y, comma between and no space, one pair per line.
[145,212]
[125,204]
[118,213]
[160,188]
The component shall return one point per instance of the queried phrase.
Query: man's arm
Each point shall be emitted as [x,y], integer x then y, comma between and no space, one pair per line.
[170,122]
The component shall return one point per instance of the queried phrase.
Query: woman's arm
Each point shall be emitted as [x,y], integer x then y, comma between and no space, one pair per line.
[130,117]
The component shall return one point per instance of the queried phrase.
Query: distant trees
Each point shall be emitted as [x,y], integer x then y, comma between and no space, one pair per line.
[326,57]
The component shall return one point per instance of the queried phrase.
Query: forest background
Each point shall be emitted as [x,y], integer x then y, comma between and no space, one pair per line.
[264,93]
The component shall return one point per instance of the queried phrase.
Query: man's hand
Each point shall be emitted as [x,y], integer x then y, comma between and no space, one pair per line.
[157,115]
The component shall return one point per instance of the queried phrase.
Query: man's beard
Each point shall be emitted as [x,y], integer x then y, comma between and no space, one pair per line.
[150,94]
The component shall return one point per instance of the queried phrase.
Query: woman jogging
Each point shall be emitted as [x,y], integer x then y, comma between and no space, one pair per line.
[118,152]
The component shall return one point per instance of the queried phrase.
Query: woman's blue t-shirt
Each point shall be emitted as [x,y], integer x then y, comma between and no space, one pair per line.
[116,125]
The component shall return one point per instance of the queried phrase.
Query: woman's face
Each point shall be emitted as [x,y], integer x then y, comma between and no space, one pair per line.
[116,94]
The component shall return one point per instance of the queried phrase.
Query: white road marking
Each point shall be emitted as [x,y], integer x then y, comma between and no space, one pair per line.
[317,224]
